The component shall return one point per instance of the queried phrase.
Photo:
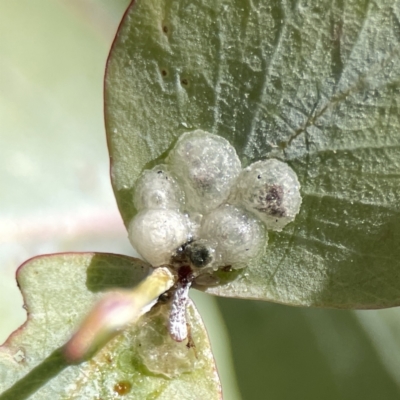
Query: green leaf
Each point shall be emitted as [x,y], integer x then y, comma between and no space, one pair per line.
[142,362]
[315,84]
[324,354]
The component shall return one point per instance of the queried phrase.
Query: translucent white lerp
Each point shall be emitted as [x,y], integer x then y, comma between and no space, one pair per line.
[206,166]
[157,188]
[239,236]
[269,189]
[157,233]
[158,351]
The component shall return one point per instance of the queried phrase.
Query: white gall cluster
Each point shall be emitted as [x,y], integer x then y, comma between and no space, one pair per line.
[202,201]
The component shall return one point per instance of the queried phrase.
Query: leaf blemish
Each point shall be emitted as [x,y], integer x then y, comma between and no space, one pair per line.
[19,356]
[122,388]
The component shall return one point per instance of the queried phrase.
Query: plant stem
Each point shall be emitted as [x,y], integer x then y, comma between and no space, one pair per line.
[114,312]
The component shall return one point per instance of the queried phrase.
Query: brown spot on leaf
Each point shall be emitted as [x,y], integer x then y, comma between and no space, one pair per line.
[122,388]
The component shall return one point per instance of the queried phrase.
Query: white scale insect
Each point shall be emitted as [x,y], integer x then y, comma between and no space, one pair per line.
[177,318]
[200,212]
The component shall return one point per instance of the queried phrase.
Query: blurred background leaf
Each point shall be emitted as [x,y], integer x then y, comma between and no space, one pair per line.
[311,354]
[56,196]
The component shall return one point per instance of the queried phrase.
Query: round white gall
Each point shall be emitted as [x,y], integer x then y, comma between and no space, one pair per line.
[157,233]
[269,189]
[157,188]
[239,236]
[207,166]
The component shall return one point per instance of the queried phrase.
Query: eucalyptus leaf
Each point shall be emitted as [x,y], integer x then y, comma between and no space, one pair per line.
[313,83]
[142,362]
[300,353]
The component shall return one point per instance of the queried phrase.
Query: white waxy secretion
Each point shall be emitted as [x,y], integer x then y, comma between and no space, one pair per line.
[206,166]
[239,236]
[269,189]
[177,325]
[157,188]
[157,233]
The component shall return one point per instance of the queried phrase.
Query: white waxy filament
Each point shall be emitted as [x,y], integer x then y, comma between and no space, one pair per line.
[177,319]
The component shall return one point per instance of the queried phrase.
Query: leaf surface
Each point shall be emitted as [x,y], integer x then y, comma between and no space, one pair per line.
[314,83]
[324,354]
[142,362]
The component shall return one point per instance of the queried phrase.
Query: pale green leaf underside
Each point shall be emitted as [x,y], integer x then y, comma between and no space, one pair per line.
[58,291]
[315,83]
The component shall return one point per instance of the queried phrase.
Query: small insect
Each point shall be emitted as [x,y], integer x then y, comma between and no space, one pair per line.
[188,262]
[199,253]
